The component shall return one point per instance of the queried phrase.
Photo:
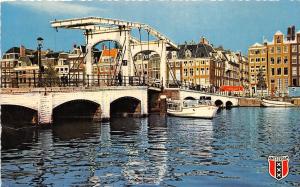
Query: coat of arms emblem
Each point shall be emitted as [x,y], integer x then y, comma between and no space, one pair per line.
[278,166]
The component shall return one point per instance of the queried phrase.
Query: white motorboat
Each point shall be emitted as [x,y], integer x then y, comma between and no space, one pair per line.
[192,108]
[273,103]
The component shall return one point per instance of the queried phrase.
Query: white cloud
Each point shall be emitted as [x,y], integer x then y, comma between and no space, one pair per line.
[58,7]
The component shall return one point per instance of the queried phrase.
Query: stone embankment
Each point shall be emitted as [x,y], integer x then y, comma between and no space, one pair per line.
[249,102]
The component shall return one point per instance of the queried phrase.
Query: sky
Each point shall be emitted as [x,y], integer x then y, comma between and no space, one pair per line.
[234,24]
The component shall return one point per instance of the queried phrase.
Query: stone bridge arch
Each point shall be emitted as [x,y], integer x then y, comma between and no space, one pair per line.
[77,109]
[121,36]
[25,100]
[158,47]
[18,115]
[125,106]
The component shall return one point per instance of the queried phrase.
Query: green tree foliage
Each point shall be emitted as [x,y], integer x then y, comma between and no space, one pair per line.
[51,77]
[261,84]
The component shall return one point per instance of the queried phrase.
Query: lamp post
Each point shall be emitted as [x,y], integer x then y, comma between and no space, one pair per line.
[40,45]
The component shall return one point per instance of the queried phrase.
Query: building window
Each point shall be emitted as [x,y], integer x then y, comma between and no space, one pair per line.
[278,40]
[202,71]
[185,72]
[251,59]
[188,54]
[294,82]
[278,71]
[278,49]
[285,71]
[272,60]
[273,71]
[263,59]
[278,60]
[279,84]
[286,60]
[294,71]
[257,59]
[294,59]
[286,83]
[285,49]
[272,50]
[191,72]
[294,48]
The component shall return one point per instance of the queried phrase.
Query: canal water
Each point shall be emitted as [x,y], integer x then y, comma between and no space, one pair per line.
[230,150]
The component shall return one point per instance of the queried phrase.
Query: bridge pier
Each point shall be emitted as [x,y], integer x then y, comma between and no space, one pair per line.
[105,104]
[45,109]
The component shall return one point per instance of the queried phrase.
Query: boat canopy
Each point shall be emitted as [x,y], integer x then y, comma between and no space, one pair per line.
[231,88]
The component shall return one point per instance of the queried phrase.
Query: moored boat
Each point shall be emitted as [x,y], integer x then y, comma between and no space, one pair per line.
[273,103]
[192,108]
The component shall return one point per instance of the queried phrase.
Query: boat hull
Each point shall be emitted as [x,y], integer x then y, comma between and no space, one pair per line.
[203,112]
[269,103]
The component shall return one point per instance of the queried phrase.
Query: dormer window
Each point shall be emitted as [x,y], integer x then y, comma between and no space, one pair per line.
[188,54]
[278,39]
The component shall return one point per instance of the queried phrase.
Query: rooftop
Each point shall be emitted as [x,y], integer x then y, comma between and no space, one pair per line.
[278,33]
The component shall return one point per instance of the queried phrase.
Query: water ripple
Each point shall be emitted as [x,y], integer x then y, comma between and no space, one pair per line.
[230,150]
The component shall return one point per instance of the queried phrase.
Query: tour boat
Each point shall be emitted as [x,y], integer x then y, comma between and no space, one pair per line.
[273,103]
[192,109]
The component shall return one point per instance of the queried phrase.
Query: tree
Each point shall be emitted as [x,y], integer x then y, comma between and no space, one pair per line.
[51,75]
[261,84]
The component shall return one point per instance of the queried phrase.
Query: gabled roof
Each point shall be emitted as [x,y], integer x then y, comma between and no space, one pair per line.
[52,55]
[111,52]
[257,45]
[198,50]
[17,50]
[13,50]
[26,60]
[278,33]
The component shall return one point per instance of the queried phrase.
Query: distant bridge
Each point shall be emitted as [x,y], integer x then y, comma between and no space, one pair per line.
[218,100]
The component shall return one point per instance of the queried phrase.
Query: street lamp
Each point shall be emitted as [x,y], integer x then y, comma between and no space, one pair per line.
[40,45]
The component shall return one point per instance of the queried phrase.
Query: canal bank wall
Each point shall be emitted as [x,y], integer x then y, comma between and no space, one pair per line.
[249,102]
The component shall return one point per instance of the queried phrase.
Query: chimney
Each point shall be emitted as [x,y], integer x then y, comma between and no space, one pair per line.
[22,51]
[203,40]
[289,34]
[293,32]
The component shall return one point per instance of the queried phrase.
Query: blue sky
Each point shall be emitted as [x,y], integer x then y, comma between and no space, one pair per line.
[233,24]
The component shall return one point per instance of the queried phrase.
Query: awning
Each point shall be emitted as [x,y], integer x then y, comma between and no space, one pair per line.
[231,88]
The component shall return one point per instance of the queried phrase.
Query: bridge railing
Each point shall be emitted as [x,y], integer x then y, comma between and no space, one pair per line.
[26,80]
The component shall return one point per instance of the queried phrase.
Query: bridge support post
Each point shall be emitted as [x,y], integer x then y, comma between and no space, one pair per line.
[89,62]
[105,108]
[45,108]
[163,64]
[97,115]
[144,104]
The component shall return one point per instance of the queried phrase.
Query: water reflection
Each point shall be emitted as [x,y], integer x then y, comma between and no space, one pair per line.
[230,150]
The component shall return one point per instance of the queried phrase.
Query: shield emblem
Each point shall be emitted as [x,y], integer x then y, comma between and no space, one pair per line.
[278,166]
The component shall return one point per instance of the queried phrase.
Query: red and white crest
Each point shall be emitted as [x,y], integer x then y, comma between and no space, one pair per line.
[278,166]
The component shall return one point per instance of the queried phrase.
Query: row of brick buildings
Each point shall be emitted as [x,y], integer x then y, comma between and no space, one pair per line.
[274,66]
[203,65]
[192,65]
[20,68]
